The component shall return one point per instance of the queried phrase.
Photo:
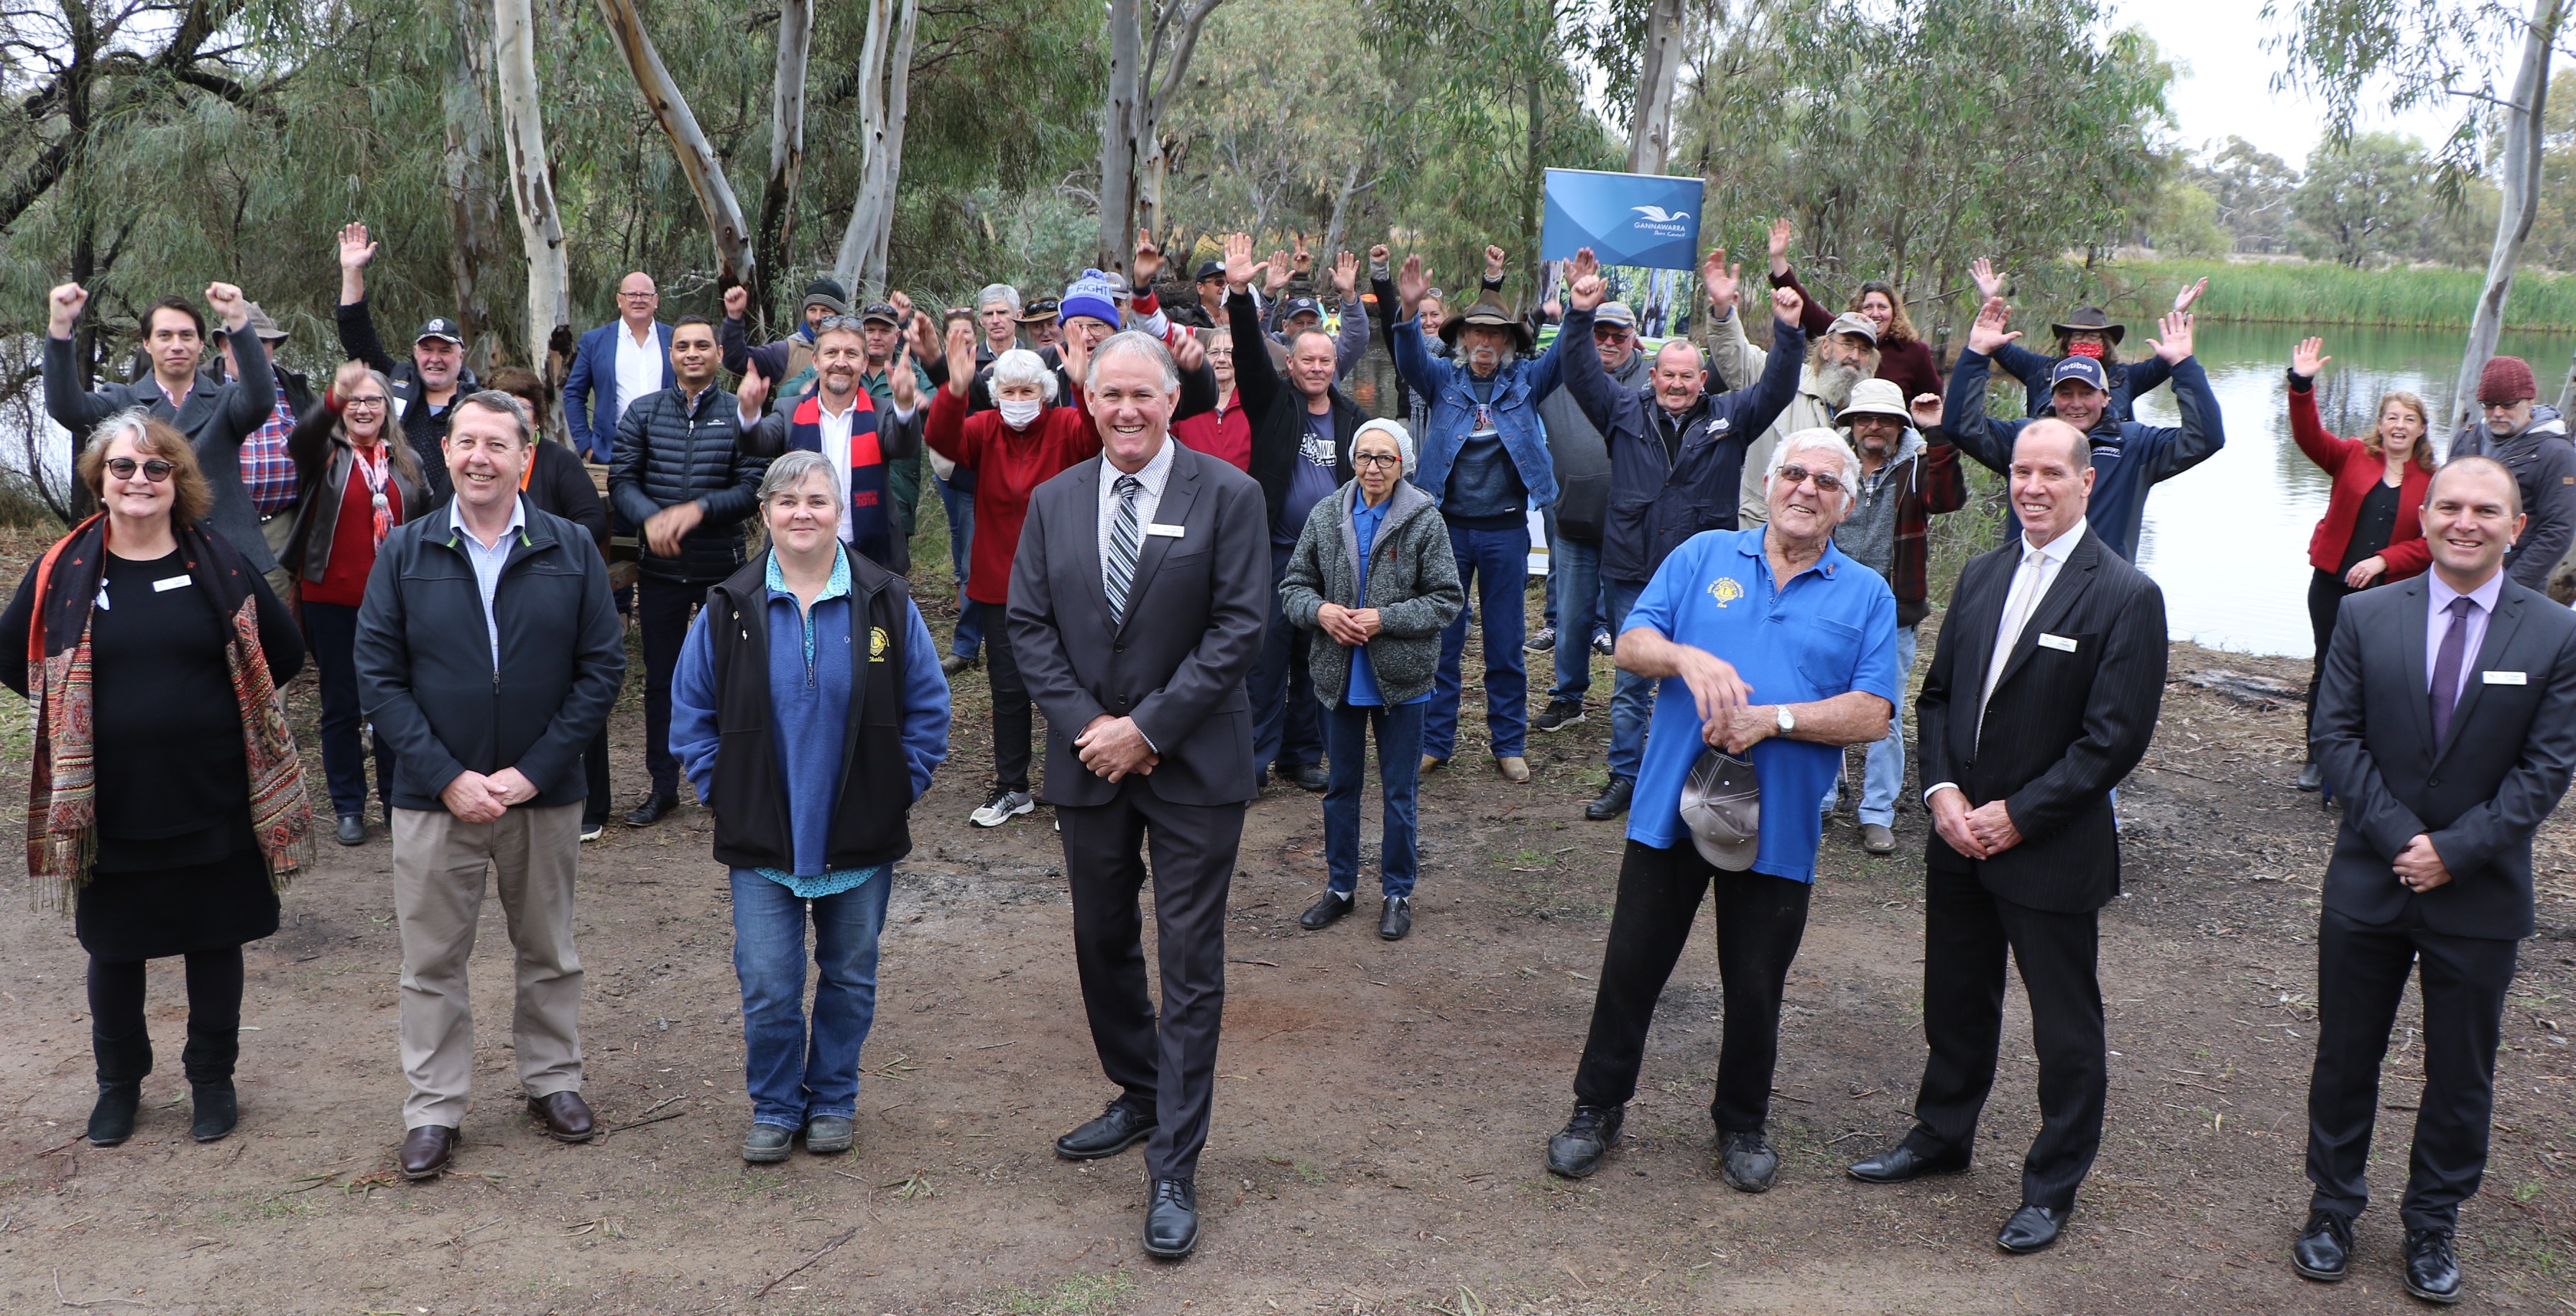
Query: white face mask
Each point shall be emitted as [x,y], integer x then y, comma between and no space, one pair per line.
[1018,415]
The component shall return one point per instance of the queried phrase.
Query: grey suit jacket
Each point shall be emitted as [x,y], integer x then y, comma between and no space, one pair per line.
[2480,795]
[1178,662]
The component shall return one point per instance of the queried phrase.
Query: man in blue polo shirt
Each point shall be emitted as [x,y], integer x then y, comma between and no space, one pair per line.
[1768,644]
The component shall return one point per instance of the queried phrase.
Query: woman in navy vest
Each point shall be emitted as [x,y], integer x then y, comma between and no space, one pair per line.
[809,711]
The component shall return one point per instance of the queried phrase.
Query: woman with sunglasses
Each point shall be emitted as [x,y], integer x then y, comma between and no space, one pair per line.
[357,488]
[165,803]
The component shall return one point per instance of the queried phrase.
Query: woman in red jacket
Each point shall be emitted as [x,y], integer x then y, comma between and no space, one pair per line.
[2369,534]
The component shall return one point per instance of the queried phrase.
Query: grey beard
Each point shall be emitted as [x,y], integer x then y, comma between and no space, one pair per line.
[1834,382]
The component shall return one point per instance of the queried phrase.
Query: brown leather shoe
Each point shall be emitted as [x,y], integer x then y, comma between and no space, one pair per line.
[427,1149]
[565,1116]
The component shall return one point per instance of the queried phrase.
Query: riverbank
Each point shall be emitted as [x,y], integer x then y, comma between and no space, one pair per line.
[2269,292]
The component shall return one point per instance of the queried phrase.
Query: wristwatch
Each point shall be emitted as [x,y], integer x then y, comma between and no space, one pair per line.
[1788,721]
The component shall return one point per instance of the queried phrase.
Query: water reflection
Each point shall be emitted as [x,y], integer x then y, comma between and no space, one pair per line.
[2228,540]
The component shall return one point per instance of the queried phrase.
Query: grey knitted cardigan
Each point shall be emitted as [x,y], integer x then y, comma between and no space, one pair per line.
[1412,582]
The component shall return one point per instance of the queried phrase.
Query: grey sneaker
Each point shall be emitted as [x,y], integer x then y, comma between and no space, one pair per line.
[1003,807]
[1877,838]
[828,1135]
[1746,1162]
[1540,640]
[767,1144]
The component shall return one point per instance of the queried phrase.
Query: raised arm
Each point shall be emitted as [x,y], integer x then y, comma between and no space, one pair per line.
[1352,345]
[2306,428]
[254,395]
[72,406]
[2203,431]
[1963,407]
[358,339]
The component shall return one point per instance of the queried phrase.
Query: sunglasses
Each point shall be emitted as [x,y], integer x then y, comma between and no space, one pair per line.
[155,470]
[1824,481]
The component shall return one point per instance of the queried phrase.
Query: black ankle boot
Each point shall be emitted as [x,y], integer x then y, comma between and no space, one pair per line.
[111,1121]
[218,1110]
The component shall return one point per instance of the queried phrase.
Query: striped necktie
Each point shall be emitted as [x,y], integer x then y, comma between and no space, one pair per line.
[1124,543]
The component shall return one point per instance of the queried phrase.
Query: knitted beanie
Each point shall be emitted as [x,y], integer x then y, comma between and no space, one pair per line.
[2506,380]
[1093,296]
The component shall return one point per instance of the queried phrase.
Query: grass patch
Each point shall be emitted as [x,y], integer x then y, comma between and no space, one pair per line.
[2322,294]
[1079,1295]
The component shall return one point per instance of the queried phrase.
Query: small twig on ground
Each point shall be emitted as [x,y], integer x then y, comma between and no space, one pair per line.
[996,1046]
[1267,964]
[666,1101]
[58,1292]
[51,1150]
[819,1254]
[458,1241]
[637,1124]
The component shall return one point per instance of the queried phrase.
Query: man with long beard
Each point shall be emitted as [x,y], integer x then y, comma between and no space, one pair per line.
[1845,354]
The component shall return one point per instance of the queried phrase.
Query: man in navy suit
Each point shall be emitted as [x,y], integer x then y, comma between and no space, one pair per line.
[616,364]
[2446,721]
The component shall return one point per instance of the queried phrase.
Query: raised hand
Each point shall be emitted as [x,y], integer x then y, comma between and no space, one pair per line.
[2175,345]
[2184,299]
[2309,358]
[228,304]
[1149,259]
[1990,283]
[1346,276]
[925,335]
[346,381]
[1787,305]
[63,306]
[737,299]
[753,391]
[902,304]
[1987,334]
[904,386]
[1378,256]
[961,356]
[1926,409]
[1240,268]
[1583,276]
[1278,276]
[1493,262]
[1782,233]
[1304,260]
[1723,282]
[355,250]
[1411,284]
[1076,355]
[1188,353]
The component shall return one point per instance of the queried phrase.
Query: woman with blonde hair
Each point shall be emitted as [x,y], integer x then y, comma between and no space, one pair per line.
[165,804]
[2369,534]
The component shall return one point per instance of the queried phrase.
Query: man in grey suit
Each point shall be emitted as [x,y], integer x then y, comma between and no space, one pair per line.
[1138,597]
[2446,721]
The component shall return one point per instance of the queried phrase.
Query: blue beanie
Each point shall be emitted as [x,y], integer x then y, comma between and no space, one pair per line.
[1093,296]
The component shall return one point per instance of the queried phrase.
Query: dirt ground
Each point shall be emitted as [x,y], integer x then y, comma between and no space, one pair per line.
[1381,1109]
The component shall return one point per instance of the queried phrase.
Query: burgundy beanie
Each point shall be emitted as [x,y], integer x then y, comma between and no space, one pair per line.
[2506,380]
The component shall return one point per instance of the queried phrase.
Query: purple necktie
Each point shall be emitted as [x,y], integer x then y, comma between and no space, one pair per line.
[2446,668]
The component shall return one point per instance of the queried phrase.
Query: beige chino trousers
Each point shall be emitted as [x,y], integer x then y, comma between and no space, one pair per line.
[439,867]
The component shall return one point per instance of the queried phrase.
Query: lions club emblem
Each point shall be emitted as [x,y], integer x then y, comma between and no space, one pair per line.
[1725,590]
[876,644]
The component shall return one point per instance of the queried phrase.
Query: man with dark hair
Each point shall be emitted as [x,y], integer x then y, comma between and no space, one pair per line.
[426,387]
[682,474]
[215,417]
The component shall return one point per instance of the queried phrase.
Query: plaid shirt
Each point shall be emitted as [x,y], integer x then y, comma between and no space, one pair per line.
[267,472]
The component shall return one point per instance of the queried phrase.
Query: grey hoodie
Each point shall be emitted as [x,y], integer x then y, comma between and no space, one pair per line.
[1868,535]
[2544,466]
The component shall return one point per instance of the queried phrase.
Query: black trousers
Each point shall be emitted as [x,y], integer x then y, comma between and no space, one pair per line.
[662,613]
[122,1046]
[2361,976]
[1168,1069]
[1967,931]
[2326,593]
[594,771]
[1012,722]
[1760,921]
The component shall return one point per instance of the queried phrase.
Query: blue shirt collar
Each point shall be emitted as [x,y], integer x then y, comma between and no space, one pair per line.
[835,588]
[1751,542]
[518,519]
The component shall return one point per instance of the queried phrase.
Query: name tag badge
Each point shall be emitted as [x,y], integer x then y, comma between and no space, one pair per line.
[2058,642]
[2503,678]
[1165,529]
[169,583]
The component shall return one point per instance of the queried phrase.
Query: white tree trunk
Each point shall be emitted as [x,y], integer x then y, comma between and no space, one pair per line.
[532,189]
[1650,141]
[473,201]
[890,144]
[858,239]
[697,157]
[2518,171]
[1119,138]
[786,144]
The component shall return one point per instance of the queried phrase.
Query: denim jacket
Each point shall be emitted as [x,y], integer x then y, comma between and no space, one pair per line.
[1519,386]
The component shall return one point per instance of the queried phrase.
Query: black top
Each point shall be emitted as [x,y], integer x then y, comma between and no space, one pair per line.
[2371,525]
[173,782]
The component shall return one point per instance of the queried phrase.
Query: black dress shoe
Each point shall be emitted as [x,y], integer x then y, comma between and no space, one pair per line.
[1172,1222]
[353,830]
[565,1115]
[1117,1129]
[1902,1162]
[218,1109]
[654,809]
[1746,1162]
[1310,777]
[2311,777]
[2324,1248]
[427,1149]
[1611,802]
[111,1121]
[2432,1271]
[1327,910]
[1396,919]
[2030,1229]
[1576,1150]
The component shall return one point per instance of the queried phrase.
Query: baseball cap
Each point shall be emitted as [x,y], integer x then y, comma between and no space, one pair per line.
[1615,313]
[1296,306]
[440,327]
[1855,324]
[2082,368]
[1722,807]
[881,311]
[1209,269]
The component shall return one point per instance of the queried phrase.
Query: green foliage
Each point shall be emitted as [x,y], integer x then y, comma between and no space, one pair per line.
[2184,222]
[2251,189]
[2363,199]
[2327,294]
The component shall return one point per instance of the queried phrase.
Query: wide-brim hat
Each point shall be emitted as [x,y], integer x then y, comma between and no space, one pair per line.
[1488,312]
[1876,397]
[2090,317]
[1040,311]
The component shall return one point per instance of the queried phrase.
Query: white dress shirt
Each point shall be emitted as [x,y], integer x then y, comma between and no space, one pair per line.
[836,450]
[639,369]
[1157,472]
[2031,578]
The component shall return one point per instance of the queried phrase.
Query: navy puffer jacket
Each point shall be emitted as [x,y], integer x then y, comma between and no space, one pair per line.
[668,453]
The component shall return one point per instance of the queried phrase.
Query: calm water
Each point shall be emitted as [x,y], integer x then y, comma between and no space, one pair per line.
[2228,539]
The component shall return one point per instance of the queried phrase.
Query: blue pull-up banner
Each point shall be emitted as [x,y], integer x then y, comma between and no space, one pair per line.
[1645,220]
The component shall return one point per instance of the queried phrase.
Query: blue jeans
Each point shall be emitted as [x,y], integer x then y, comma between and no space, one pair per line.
[1285,716]
[1574,568]
[1399,771]
[961,547]
[332,630]
[1883,767]
[794,1076]
[1493,566]
[1632,697]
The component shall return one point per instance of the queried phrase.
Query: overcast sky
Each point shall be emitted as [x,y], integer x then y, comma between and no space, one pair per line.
[2225,85]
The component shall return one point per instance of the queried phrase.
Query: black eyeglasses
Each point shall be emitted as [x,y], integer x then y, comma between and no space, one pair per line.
[1376,459]
[155,470]
[1824,481]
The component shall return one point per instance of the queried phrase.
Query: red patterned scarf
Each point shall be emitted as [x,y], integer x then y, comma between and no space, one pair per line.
[62,787]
